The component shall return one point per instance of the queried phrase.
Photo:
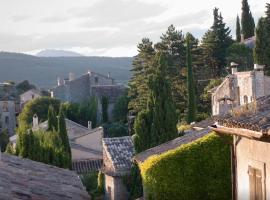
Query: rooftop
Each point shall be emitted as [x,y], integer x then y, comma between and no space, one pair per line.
[28,180]
[251,120]
[120,151]
[170,145]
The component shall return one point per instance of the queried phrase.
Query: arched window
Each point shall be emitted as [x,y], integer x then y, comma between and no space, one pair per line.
[245,99]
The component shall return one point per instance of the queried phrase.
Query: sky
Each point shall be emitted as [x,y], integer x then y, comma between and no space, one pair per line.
[106,27]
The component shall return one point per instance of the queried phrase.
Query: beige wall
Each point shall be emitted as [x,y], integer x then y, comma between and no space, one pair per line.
[117,188]
[255,154]
[92,140]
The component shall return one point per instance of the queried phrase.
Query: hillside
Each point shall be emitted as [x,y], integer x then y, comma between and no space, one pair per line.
[57,53]
[43,71]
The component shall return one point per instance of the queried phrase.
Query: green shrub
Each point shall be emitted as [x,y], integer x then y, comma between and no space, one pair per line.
[101,183]
[200,170]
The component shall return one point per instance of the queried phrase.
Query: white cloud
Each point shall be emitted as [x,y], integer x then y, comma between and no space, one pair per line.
[106,27]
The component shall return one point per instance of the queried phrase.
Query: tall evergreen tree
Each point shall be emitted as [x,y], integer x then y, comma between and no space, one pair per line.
[104,105]
[164,114]
[141,69]
[238,29]
[247,21]
[191,114]
[62,130]
[260,45]
[52,119]
[215,43]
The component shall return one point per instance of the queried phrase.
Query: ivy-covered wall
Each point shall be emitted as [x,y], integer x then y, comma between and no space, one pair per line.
[200,170]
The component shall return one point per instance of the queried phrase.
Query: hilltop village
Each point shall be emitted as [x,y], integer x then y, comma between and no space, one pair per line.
[193,122]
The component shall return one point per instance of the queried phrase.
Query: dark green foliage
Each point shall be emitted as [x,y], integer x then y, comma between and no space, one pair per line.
[101,183]
[200,170]
[215,43]
[136,189]
[63,135]
[247,21]
[10,149]
[120,109]
[238,29]
[141,70]
[4,140]
[52,119]
[104,108]
[157,123]
[24,86]
[115,129]
[240,54]
[163,126]
[191,114]
[38,106]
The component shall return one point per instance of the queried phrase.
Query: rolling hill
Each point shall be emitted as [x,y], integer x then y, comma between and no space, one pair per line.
[43,71]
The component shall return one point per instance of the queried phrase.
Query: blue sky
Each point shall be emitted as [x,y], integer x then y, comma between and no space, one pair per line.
[106,27]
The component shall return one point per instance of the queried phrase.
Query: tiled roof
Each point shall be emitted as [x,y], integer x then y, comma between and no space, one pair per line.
[85,166]
[28,180]
[120,151]
[173,144]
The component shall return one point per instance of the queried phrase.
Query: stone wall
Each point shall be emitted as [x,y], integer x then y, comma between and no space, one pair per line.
[8,116]
[80,89]
[115,188]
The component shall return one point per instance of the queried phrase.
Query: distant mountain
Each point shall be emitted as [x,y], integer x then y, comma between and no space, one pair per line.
[43,71]
[57,53]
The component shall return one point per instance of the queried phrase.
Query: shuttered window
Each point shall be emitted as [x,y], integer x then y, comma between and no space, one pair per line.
[255,184]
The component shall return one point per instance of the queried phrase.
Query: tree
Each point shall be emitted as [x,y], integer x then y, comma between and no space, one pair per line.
[62,130]
[104,107]
[52,119]
[191,115]
[141,69]
[247,21]
[238,29]
[120,109]
[215,43]
[164,113]
[4,140]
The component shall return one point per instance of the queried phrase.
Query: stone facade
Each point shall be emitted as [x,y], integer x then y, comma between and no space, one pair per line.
[238,89]
[8,116]
[89,85]
[28,96]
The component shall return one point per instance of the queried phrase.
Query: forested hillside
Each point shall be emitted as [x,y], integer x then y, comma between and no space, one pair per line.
[43,71]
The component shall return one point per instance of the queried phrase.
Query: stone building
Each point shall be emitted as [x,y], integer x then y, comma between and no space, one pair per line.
[8,111]
[239,88]
[29,180]
[117,158]
[28,96]
[89,85]
[250,149]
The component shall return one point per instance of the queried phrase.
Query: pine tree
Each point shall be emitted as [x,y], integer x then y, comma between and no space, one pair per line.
[238,29]
[52,119]
[191,115]
[141,69]
[215,43]
[164,116]
[247,21]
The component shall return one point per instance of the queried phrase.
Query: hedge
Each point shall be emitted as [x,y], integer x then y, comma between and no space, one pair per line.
[200,170]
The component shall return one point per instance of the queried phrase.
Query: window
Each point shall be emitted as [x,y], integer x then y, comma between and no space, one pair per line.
[5,106]
[245,99]
[96,80]
[255,184]
[6,120]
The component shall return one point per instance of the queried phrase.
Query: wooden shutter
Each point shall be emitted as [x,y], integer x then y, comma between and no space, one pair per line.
[255,184]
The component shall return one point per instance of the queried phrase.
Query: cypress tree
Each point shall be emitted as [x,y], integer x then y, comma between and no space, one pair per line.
[191,115]
[238,29]
[104,105]
[62,130]
[52,119]
[247,21]
[164,115]
[260,45]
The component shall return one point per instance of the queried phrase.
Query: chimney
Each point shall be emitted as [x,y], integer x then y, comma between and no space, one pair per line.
[71,76]
[89,125]
[234,67]
[242,38]
[35,121]
[258,67]
[59,81]
[109,75]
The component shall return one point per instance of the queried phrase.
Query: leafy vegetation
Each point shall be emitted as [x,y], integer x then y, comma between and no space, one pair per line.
[198,170]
